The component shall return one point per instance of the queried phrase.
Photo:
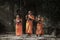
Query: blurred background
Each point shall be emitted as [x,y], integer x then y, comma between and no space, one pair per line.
[47,8]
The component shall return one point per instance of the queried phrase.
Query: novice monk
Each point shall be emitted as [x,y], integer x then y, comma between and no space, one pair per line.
[39,30]
[29,23]
[18,25]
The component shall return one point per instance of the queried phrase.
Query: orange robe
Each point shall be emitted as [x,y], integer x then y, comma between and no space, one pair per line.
[39,30]
[29,25]
[18,27]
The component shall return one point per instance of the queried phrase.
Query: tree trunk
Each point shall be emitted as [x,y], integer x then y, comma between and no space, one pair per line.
[11,15]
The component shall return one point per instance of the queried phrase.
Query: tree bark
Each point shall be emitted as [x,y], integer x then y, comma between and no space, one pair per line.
[11,15]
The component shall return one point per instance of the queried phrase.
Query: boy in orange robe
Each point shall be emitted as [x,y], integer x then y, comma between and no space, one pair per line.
[39,30]
[29,23]
[18,25]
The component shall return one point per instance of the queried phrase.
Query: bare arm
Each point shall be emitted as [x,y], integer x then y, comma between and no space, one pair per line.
[31,16]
